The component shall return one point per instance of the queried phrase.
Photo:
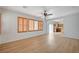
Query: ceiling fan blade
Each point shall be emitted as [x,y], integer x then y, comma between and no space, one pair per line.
[49,14]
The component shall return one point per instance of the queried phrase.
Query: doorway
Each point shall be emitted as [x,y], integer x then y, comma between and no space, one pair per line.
[57,27]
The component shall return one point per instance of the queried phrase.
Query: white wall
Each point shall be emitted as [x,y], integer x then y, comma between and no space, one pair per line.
[9,28]
[71,26]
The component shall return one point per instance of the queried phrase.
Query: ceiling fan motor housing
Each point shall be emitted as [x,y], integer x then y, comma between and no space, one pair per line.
[45,14]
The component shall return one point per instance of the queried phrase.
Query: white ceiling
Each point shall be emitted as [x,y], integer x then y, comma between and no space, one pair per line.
[57,11]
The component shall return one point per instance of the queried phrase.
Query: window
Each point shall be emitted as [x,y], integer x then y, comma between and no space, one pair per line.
[25,24]
[31,25]
[35,25]
[40,25]
[22,24]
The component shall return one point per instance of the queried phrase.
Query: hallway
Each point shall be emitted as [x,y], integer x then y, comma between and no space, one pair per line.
[42,44]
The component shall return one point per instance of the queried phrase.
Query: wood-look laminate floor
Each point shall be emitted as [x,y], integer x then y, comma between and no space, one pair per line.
[42,44]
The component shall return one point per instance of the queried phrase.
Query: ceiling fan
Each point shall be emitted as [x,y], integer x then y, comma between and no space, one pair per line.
[46,12]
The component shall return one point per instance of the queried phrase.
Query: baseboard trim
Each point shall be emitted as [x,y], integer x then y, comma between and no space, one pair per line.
[71,36]
[21,39]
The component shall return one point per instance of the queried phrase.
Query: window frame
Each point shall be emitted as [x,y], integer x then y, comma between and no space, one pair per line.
[22,25]
[39,26]
[28,25]
[34,25]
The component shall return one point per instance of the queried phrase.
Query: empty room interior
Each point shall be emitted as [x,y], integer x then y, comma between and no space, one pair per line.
[39,29]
